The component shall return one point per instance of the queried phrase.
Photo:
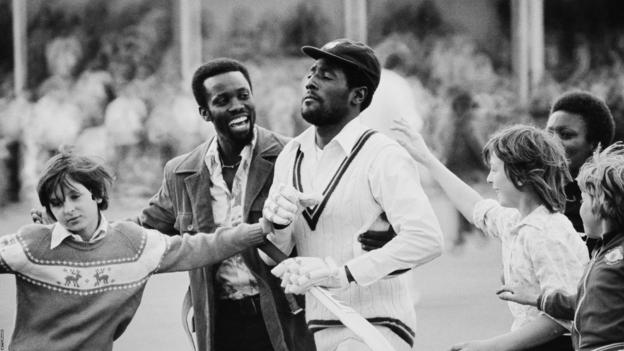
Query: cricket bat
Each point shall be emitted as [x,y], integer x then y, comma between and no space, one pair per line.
[347,315]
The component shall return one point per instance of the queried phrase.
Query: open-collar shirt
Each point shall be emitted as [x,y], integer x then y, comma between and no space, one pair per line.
[235,279]
[329,157]
[541,252]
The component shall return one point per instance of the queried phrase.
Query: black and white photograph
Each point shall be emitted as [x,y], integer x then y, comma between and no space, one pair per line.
[321,175]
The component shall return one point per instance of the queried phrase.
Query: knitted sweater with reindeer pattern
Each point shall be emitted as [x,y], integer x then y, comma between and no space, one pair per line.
[82,296]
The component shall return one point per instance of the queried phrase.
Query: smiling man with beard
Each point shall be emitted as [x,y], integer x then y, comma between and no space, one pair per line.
[237,304]
[365,181]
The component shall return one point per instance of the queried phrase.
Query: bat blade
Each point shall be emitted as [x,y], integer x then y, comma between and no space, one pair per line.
[352,320]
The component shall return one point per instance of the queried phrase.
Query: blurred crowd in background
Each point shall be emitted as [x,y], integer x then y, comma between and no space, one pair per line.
[103,77]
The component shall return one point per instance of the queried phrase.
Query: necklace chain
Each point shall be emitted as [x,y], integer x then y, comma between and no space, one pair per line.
[232,166]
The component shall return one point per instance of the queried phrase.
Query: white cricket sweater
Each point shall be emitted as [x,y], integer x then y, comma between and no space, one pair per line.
[380,178]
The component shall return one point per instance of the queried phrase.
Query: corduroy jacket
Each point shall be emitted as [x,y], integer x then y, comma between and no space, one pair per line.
[183,205]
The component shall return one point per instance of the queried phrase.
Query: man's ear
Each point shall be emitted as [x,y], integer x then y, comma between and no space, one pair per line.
[205,114]
[359,95]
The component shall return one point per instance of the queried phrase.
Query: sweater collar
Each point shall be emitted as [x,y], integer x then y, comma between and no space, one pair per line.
[60,233]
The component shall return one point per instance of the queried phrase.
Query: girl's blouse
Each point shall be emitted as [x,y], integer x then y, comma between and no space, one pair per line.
[540,252]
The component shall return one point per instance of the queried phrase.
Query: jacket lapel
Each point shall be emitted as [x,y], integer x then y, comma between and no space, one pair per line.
[198,190]
[261,168]
[197,185]
[259,173]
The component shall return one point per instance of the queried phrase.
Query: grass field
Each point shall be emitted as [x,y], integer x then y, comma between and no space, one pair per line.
[456,299]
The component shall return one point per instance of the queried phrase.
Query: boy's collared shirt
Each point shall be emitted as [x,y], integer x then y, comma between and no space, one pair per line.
[235,279]
[60,233]
[540,252]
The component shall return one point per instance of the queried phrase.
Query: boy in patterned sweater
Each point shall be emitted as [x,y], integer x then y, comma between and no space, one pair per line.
[81,279]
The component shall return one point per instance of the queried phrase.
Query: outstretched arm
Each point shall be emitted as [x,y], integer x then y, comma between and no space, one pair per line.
[537,332]
[12,255]
[461,194]
[557,304]
[193,251]
[4,267]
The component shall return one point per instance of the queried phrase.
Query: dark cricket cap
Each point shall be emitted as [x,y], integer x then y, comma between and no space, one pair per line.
[352,53]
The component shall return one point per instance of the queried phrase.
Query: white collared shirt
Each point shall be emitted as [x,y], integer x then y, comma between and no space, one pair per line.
[326,160]
[234,277]
[540,252]
[60,233]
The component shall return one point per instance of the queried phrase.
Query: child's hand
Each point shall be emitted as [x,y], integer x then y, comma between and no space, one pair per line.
[412,141]
[517,294]
[40,217]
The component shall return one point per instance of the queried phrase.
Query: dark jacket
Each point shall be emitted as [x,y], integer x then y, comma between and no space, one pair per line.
[183,205]
[598,307]
[573,205]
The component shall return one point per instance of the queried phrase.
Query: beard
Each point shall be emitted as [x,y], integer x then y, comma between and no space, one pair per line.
[242,138]
[236,136]
[246,139]
[323,116]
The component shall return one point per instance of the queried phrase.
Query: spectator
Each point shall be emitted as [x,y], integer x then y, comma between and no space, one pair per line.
[541,249]
[597,308]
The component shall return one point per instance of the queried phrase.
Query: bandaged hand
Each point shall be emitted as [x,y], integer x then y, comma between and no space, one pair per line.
[299,274]
[285,203]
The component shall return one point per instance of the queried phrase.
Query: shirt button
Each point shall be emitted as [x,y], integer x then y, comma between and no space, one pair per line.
[190,227]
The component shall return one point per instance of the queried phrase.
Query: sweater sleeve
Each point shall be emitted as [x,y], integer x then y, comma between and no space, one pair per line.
[187,251]
[3,266]
[557,304]
[8,245]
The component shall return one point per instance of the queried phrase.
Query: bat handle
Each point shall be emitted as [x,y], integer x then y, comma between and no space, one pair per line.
[278,256]
[272,251]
